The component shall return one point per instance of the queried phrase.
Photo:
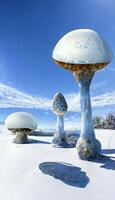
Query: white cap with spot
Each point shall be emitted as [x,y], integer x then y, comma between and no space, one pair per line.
[82,46]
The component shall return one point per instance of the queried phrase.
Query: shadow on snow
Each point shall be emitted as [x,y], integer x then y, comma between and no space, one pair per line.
[32,141]
[108,151]
[108,162]
[66,173]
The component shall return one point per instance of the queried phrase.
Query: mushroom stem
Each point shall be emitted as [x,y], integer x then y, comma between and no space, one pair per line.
[21,137]
[60,127]
[88,146]
[87,129]
[59,135]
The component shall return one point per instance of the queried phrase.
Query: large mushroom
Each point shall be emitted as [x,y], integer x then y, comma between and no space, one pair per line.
[21,124]
[59,107]
[84,52]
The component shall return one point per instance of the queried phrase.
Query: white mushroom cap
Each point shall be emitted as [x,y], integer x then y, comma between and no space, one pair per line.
[21,120]
[82,46]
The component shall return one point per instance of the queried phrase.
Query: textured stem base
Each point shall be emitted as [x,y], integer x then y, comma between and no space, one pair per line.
[59,141]
[65,142]
[21,138]
[88,149]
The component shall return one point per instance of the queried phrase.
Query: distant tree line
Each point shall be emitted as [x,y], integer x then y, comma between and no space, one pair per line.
[106,123]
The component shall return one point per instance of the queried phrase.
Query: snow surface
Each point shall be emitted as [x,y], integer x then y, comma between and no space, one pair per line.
[82,46]
[21,120]
[39,171]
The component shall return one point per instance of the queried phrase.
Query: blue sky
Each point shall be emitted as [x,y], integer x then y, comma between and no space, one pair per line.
[29,30]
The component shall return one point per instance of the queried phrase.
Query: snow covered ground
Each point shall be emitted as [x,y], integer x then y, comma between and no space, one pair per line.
[39,171]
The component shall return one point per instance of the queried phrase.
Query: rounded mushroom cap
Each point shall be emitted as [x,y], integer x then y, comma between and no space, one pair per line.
[82,46]
[21,120]
[59,105]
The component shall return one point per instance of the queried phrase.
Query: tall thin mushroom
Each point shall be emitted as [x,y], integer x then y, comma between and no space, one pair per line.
[59,107]
[84,52]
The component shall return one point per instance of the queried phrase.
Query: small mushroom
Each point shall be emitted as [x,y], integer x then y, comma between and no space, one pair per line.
[59,107]
[84,52]
[21,124]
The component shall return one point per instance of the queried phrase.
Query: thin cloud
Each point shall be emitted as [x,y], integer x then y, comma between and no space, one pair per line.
[13,98]
[97,86]
[106,99]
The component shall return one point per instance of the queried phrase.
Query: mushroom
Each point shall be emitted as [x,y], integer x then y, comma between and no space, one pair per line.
[21,124]
[84,52]
[59,107]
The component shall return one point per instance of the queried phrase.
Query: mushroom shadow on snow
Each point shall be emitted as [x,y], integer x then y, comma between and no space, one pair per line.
[108,162]
[108,151]
[66,173]
[32,141]
[42,134]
